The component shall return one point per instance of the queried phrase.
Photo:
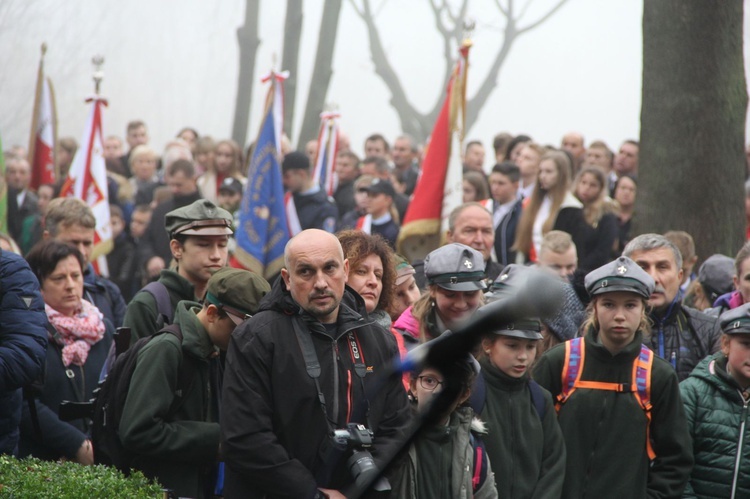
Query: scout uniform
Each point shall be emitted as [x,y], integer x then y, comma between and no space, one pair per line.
[616,447]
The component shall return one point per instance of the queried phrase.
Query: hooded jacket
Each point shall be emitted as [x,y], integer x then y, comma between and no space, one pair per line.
[717,418]
[457,461]
[274,433]
[605,431]
[178,447]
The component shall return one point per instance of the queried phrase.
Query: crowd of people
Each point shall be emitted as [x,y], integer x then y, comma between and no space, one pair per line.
[636,385]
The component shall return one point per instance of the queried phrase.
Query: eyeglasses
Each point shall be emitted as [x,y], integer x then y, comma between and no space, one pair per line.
[429,383]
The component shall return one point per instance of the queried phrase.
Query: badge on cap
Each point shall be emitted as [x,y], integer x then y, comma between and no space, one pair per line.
[468,264]
[622,269]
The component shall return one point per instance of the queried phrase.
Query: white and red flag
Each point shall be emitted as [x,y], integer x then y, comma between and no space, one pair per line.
[439,187]
[328,147]
[87,180]
[43,131]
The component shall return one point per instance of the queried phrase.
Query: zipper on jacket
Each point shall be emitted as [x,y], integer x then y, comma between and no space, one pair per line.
[336,358]
[739,446]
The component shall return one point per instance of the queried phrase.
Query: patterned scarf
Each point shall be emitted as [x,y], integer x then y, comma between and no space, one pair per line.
[78,333]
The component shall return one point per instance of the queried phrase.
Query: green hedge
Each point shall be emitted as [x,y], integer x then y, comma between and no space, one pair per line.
[44,479]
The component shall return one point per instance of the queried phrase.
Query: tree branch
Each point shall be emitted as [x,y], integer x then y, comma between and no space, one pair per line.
[501,8]
[544,18]
[409,117]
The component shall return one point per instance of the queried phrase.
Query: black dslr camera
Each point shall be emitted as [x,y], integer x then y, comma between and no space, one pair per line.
[358,439]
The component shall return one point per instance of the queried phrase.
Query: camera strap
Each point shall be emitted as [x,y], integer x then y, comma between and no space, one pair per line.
[311,364]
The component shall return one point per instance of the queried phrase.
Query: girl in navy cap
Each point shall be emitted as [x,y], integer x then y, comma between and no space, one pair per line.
[618,404]
[716,397]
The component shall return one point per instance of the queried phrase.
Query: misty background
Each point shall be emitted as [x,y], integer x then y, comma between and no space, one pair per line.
[174,64]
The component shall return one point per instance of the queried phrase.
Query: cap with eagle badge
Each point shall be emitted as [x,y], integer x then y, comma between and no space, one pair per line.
[456,267]
[622,274]
[736,321]
[200,218]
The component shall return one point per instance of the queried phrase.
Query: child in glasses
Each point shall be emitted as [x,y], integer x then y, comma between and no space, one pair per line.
[447,458]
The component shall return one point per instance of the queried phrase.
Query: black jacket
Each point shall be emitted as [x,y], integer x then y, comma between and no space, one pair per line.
[683,337]
[505,235]
[598,243]
[272,424]
[316,211]
[344,197]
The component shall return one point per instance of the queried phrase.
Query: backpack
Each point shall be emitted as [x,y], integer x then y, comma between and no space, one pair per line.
[479,472]
[640,385]
[111,397]
[164,317]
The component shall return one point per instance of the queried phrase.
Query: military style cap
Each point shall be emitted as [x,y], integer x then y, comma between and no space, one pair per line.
[379,186]
[512,278]
[622,274]
[509,281]
[232,185]
[237,292]
[736,321]
[200,218]
[715,276]
[456,267]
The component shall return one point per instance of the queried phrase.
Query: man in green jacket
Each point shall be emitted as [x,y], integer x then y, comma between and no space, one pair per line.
[199,234]
[178,442]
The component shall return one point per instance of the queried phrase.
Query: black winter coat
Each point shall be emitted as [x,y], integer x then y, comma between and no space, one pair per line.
[684,337]
[272,424]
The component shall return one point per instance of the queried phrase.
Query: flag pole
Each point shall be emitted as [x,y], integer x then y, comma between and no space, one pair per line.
[35,111]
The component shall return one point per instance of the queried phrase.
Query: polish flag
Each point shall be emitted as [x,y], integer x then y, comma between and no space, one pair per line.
[43,132]
[87,180]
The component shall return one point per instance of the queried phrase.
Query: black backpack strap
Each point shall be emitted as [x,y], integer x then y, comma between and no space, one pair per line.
[478,394]
[164,310]
[537,398]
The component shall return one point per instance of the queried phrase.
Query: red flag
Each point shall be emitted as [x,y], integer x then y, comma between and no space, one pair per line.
[438,190]
[87,180]
[43,131]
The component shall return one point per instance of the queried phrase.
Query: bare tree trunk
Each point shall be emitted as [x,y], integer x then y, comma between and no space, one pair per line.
[290,59]
[249,41]
[322,71]
[692,162]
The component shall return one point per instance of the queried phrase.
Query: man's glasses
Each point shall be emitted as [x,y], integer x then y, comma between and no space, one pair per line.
[429,382]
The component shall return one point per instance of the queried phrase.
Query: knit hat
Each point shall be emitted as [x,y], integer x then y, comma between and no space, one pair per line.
[715,276]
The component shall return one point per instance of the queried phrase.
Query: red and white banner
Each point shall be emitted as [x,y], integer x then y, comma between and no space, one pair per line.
[87,180]
[43,132]
[328,147]
[439,187]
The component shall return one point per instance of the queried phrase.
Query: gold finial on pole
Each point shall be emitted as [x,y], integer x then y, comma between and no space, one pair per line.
[44,49]
[97,61]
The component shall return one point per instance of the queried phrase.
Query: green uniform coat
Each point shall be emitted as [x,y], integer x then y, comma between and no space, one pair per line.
[718,421]
[141,315]
[528,454]
[179,449]
[605,431]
